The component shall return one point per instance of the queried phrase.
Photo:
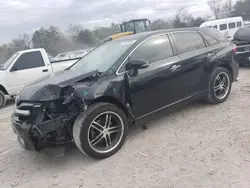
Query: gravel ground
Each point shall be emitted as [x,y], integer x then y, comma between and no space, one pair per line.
[199,145]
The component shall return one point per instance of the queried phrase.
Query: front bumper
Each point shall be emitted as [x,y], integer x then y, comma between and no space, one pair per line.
[23,134]
[39,136]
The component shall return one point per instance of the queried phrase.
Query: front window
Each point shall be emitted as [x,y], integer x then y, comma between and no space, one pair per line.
[103,57]
[129,26]
[9,62]
[28,60]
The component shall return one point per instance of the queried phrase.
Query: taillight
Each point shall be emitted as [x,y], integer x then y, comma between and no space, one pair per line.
[235,49]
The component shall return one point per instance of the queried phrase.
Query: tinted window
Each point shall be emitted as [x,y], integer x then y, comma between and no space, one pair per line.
[239,24]
[215,33]
[211,40]
[223,27]
[215,26]
[232,25]
[29,60]
[188,41]
[154,49]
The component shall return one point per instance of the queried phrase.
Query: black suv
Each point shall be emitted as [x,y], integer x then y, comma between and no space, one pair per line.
[121,82]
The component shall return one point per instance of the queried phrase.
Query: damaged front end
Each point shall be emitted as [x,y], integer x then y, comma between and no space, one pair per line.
[47,122]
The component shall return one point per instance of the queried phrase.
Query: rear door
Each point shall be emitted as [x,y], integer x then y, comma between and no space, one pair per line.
[28,68]
[194,54]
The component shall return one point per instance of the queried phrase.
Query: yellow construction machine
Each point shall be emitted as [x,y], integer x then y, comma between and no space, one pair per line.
[131,27]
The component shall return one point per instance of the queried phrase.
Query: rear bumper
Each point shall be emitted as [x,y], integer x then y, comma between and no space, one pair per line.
[235,69]
[243,54]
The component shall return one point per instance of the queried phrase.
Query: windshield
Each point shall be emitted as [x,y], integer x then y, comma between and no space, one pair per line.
[8,62]
[103,57]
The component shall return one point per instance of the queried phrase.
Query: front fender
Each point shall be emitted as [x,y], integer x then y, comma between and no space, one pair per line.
[113,90]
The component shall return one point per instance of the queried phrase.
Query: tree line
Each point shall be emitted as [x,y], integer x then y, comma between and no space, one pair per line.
[55,41]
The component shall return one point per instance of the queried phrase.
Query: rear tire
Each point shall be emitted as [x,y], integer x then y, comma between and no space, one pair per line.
[2,99]
[101,130]
[219,86]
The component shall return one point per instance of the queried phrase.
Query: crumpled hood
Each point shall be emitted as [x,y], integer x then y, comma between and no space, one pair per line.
[50,88]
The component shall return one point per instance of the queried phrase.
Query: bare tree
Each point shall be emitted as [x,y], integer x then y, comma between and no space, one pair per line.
[215,6]
[74,30]
[26,39]
[242,8]
[220,8]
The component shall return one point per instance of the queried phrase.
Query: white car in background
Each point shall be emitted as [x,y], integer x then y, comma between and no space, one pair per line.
[227,26]
[26,67]
[72,55]
[62,56]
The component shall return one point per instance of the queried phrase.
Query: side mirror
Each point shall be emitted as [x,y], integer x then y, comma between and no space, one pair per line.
[134,65]
[138,64]
[13,69]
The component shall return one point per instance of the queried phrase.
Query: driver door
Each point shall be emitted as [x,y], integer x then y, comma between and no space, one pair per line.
[154,87]
[28,68]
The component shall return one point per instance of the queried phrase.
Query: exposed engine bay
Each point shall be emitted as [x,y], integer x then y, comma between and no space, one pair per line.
[50,122]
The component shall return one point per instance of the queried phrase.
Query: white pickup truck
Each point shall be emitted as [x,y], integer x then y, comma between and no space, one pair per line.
[24,68]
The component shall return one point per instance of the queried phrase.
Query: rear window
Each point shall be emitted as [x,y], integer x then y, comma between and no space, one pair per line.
[215,33]
[239,24]
[188,41]
[223,27]
[232,25]
[210,39]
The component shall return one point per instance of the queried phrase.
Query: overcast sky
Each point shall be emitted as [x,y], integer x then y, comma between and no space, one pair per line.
[24,16]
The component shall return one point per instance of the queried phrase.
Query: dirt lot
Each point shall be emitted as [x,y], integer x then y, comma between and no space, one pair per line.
[198,146]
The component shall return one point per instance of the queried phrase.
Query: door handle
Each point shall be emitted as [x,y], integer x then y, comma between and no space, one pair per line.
[45,70]
[209,55]
[175,67]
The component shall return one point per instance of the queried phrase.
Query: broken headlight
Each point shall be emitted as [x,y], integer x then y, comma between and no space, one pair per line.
[68,94]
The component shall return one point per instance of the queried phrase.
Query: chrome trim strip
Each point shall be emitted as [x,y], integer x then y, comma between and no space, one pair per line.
[243,46]
[167,33]
[238,53]
[22,112]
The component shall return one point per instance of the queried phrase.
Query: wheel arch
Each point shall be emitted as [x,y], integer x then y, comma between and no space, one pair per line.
[113,101]
[228,67]
[2,88]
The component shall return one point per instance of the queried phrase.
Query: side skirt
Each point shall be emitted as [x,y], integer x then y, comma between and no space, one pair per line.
[171,107]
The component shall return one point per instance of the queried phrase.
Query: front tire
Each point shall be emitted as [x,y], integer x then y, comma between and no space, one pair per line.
[219,86]
[2,99]
[101,130]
